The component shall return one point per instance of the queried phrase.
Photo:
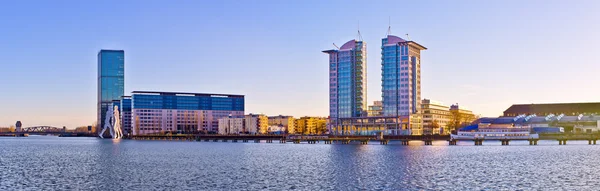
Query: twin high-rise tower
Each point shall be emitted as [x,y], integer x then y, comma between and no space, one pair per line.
[401,88]
[348,80]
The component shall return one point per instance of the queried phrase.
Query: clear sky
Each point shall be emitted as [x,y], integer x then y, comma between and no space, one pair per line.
[484,55]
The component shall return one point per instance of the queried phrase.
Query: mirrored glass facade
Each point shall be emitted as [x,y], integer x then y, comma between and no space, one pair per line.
[401,81]
[111,81]
[347,80]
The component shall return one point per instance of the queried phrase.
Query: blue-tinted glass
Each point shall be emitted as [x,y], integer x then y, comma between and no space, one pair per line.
[111,81]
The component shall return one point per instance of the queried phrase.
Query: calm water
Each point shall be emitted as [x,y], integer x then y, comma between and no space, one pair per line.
[53,163]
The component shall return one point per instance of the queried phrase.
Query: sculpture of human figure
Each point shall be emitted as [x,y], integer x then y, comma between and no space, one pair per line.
[117,123]
[107,123]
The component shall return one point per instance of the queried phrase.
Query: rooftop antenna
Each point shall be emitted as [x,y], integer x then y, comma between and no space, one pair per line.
[359,37]
[336,46]
[389,26]
[407,37]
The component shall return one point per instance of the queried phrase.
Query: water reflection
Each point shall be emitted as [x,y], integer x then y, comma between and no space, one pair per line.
[51,163]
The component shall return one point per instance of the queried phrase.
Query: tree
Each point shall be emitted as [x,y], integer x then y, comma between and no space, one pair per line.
[434,125]
[456,120]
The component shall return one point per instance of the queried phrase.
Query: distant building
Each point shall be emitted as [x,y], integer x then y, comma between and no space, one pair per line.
[376,109]
[231,125]
[111,81]
[553,108]
[283,123]
[256,124]
[436,117]
[18,126]
[347,80]
[546,123]
[157,112]
[126,115]
[311,125]
[460,117]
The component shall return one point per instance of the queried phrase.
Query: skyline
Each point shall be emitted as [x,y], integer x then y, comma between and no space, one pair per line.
[188,48]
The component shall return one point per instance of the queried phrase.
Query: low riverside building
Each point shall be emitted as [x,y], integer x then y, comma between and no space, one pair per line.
[232,125]
[283,123]
[562,123]
[441,119]
[436,117]
[572,109]
[387,125]
[178,112]
[248,124]
[311,125]
[256,124]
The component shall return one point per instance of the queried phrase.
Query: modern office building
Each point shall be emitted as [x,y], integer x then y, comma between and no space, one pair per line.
[436,117]
[401,81]
[111,81]
[282,123]
[156,112]
[376,109]
[311,125]
[126,118]
[553,108]
[347,80]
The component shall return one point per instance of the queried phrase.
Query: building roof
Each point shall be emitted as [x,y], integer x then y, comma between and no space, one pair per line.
[394,39]
[536,120]
[556,108]
[348,45]
[470,128]
[413,43]
[187,93]
[109,50]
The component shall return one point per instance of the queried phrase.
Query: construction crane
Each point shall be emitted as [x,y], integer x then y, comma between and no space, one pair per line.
[336,46]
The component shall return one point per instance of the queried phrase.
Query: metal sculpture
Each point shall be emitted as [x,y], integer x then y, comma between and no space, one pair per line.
[112,123]
[117,124]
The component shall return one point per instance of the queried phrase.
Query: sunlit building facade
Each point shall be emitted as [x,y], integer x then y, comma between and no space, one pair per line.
[282,123]
[311,125]
[158,112]
[436,117]
[256,124]
[111,81]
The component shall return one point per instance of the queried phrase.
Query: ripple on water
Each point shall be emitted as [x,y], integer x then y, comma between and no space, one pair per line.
[52,163]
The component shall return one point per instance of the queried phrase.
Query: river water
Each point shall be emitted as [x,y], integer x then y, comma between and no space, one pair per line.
[54,163]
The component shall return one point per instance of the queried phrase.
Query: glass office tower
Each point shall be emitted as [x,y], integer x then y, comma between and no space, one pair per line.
[126,115]
[111,81]
[347,81]
[401,82]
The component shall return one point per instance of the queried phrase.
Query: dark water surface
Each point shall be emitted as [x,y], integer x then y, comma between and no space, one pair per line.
[53,163]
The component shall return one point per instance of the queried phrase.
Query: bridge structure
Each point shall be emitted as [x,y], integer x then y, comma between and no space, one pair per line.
[44,130]
[310,139]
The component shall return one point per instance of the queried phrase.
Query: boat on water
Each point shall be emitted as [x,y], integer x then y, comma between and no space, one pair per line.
[484,131]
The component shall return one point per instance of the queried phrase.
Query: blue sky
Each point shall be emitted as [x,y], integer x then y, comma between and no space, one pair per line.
[484,55]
